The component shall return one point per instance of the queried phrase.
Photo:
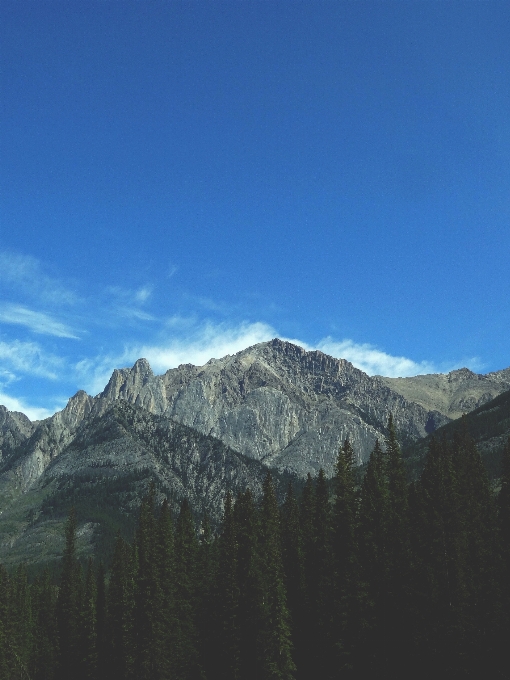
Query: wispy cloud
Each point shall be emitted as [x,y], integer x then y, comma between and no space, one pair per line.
[373,360]
[32,412]
[199,344]
[38,322]
[25,274]
[29,358]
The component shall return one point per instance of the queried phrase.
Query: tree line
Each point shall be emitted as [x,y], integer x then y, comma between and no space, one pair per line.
[382,580]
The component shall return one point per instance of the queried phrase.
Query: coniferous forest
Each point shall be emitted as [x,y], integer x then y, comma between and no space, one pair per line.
[381,579]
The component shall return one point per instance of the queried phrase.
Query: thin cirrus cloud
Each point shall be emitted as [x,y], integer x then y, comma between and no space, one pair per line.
[38,322]
[25,274]
[27,358]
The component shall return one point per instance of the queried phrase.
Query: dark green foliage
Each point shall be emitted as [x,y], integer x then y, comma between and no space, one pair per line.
[88,627]
[186,660]
[227,600]
[68,605]
[400,581]
[275,638]
[249,580]
[294,571]
[120,618]
[348,591]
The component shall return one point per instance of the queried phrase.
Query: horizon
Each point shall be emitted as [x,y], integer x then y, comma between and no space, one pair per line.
[39,415]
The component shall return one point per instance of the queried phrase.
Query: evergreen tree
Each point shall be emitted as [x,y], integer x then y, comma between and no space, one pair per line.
[249,580]
[88,627]
[294,573]
[348,594]
[120,618]
[207,599]
[275,639]
[166,573]
[186,659]
[228,597]
[148,597]
[308,525]
[44,649]
[101,615]
[394,622]
[68,603]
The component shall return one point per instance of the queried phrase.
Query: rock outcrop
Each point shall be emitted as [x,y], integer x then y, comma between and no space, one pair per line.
[454,393]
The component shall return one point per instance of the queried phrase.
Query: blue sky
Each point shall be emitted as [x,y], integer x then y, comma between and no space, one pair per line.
[179,180]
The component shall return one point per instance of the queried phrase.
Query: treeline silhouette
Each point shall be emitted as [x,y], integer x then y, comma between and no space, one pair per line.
[385,580]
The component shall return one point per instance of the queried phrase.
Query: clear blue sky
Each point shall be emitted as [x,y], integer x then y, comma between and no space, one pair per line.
[182,179]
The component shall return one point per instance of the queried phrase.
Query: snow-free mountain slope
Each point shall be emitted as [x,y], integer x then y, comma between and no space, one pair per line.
[454,393]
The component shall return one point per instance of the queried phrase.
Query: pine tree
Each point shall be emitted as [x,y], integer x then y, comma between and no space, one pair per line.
[275,639]
[88,627]
[348,595]
[68,602]
[186,657]
[294,573]
[44,649]
[228,598]
[148,597]
[321,594]
[395,624]
[120,619]
[308,524]
[166,574]
[249,579]
[207,597]
[101,615]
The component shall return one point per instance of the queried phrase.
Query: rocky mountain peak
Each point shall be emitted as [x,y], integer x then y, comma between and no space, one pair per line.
[461,375]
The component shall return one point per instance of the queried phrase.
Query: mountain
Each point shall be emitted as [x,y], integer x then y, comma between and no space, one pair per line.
[454,393]
[200,430]
[104,469]
[277,403]
[488,425]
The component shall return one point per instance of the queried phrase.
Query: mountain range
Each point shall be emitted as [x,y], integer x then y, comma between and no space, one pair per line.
[200,430]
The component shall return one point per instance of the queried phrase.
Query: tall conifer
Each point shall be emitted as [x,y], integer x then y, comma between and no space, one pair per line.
[68,603]
[275,640]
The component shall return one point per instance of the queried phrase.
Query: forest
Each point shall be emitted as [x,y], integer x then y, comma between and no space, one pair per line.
[378,578]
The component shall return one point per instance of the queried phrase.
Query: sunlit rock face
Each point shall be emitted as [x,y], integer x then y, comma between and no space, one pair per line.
[276,403]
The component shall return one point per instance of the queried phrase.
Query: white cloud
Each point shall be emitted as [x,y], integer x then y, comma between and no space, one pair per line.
[374,361]
[25,273]
[200,344]
[32,412]
[209,341]
[143,294]
[27,357]
[38,322]
[196,344]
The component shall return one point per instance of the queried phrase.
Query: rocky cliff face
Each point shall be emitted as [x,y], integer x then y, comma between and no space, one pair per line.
[276,403]
[15,429]
[105,469]
[454,393]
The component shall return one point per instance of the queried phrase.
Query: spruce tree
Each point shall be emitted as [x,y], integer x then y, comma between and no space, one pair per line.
[186,656]
[249,579]
[68,602]
[227,598]
[88,627]
[166,573]
[45,638]
[275,647]
[294,573]
[348,595]
[120,619]
[148,597]
[101,614]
